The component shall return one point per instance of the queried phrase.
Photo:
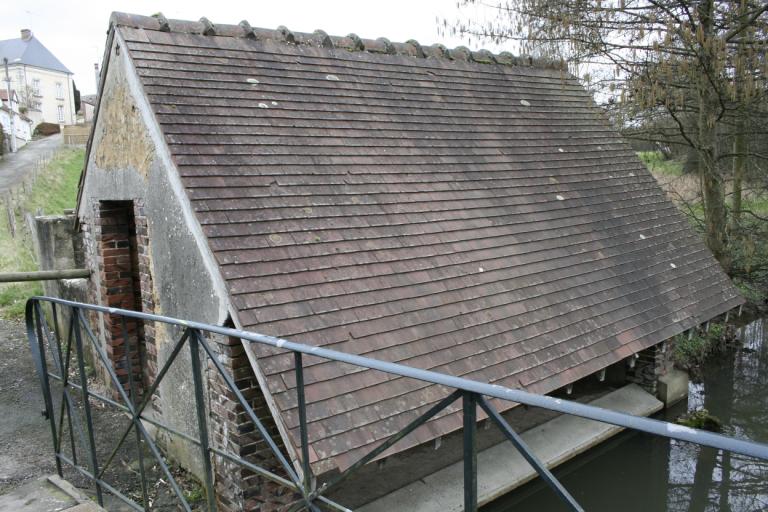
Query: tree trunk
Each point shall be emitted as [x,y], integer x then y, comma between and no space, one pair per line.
[740,142]
[712,189]
[739,167]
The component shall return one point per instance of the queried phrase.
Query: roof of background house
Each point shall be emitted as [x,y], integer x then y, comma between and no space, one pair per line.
[30,52]
[90,99]
[446,209]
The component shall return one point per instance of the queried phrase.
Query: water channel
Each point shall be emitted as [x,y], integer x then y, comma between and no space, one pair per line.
[637,472]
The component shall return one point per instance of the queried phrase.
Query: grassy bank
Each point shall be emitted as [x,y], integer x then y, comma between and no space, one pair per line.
[748,245]
[54,191]
[658,164]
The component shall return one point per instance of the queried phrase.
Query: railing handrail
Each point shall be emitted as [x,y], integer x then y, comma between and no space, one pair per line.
[642,424]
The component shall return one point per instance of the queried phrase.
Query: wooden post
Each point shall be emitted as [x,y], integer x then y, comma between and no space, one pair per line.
[10,214]
[43,275]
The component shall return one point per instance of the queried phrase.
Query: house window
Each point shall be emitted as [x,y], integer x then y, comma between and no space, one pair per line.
[59,91]
[61,113]
[36,86]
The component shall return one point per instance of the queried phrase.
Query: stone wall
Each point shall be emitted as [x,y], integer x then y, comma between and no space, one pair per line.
[651,364]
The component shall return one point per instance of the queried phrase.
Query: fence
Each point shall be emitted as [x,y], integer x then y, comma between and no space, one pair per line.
[76,134]
[299,479]
[12,200]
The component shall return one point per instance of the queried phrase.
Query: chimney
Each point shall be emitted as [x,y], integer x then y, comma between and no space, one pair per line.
[26,34]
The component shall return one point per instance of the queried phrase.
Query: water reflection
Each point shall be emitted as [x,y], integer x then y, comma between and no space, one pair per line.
[638,472]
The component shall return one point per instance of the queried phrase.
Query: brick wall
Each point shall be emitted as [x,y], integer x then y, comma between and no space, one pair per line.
[120,251]
[239,489]
[118,245]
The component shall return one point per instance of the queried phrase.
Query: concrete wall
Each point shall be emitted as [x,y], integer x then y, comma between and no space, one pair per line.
[58,247]
[129,161]
[87,111]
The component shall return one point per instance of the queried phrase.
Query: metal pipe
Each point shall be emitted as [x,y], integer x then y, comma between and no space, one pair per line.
[648,425]
[43,275]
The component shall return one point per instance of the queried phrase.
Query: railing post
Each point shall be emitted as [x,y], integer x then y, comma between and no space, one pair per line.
[202,423]
[86,404]
[64,369]
[133,396]
[49,410]
[303,421]
[469,401]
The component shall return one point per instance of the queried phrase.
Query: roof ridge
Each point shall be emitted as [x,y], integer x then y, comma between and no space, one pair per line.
[320,39]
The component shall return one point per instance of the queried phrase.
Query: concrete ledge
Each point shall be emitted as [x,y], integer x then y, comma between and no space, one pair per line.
[501,468]
[47,494]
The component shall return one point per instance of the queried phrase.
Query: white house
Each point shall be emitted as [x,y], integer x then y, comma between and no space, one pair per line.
[22,125]
[42,82]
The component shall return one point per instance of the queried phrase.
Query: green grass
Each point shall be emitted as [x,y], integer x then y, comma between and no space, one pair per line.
[54,191]
[657,163]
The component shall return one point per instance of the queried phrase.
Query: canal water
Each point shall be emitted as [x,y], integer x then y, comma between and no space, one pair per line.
[643,473]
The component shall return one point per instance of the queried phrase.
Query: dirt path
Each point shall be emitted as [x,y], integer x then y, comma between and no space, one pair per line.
[26,449]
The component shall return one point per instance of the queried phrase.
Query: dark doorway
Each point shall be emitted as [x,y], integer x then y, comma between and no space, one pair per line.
[121,288]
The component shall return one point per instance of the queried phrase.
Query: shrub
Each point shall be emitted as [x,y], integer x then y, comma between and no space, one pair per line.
[690,352]
[46,129]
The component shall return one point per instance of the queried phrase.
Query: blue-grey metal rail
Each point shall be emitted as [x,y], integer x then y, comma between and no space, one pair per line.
[298,477]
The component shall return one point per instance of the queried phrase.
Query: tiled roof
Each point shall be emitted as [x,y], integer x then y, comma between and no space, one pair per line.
[30,52]
[414,205]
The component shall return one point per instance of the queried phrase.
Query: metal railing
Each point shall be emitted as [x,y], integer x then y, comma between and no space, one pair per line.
[298,478]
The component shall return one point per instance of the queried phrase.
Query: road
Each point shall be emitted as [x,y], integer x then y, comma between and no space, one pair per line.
[14,166]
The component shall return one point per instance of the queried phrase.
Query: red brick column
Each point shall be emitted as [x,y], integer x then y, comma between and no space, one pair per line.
[238,489]
[117,236]
[121,239]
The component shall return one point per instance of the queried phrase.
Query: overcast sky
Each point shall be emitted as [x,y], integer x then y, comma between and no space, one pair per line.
[76,31]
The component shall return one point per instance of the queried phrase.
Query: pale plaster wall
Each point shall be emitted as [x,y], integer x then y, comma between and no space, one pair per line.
[22,78]
[129,161]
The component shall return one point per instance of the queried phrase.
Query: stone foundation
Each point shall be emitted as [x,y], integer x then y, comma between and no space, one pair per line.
[650,364]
